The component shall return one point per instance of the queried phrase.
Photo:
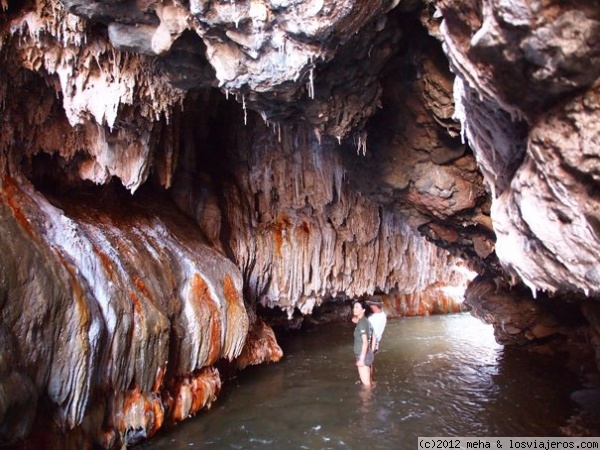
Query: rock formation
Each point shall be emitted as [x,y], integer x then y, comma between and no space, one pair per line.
[168,169]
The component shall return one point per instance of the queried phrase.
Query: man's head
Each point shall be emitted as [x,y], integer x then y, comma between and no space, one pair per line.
[375,303]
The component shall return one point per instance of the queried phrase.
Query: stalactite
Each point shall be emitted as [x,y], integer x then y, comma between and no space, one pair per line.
[316,237]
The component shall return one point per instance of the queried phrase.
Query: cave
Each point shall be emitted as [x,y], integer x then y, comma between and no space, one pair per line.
[180,179]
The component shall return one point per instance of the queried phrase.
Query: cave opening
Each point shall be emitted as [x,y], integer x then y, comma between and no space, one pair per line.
[183,186]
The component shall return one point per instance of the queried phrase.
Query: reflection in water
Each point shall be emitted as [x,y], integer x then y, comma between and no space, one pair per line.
[436,376]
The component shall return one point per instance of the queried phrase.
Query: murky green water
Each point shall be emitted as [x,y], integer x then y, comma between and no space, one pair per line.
[436,376]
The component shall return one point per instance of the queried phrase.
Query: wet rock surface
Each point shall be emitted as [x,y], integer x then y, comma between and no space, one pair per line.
[168,169]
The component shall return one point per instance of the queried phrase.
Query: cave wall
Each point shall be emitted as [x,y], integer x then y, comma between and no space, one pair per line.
[142,225]
[291,221]
[117,311]
[167,168]
[527,95]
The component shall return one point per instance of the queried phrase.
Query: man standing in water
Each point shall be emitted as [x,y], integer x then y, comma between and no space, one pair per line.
[378,320]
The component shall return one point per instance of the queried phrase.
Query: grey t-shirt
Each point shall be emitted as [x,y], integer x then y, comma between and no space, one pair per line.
[363,326]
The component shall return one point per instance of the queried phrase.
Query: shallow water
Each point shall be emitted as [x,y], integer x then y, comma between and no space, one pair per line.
[436,376]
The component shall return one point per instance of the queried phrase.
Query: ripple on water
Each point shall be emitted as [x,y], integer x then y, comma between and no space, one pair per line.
[436,376]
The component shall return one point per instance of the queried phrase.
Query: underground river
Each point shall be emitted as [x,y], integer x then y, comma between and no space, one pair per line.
[436,376]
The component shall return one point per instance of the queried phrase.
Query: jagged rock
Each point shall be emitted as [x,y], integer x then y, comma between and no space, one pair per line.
[512,313]
[260,347]
[524,56]
[474,124]
[519,319]
[515,66]
[552,202]
[132,38]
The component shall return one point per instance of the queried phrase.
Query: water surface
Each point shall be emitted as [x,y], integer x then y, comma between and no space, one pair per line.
[435,376]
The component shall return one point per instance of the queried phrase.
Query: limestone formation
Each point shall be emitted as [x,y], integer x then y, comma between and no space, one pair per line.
[528,96]
[169,169]
[129,301]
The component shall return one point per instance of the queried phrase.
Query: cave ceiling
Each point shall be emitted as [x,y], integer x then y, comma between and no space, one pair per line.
[474,121]
[454,114]
[172,165]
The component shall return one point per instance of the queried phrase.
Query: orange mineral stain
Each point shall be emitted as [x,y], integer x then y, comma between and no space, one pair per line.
[139,283]
[202,296]
[11,192]
[105,260]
